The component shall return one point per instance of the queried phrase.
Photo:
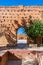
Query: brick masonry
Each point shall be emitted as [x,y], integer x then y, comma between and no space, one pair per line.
[14,17]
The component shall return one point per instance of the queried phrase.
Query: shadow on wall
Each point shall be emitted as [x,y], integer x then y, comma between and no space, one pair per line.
[10,59]
[13,60]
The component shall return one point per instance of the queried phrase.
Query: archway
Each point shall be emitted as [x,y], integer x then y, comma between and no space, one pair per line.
[21,37]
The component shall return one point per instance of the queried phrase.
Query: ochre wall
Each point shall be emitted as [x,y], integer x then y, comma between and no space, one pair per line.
[11,18]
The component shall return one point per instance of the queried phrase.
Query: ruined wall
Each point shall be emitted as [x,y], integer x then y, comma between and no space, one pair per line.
[24,56]
[11,18]
[4,59]
[8,56]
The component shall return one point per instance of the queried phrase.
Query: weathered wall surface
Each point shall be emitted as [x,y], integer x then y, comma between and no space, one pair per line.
[11,18]
[8,56]
[24,56]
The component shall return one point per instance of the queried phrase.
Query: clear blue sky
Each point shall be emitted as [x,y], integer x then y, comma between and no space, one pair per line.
[20,2]
[21,31]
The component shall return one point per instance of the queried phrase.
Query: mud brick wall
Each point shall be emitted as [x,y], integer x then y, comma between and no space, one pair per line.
[14,17]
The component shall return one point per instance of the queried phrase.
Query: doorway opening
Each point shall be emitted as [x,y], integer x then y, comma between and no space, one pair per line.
[42,41]
[21,37]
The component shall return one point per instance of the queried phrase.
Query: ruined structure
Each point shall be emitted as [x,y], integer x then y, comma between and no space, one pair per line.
[24,57]
[14,17]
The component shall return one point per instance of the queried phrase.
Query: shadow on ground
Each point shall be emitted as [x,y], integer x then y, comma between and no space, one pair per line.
[18,46]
